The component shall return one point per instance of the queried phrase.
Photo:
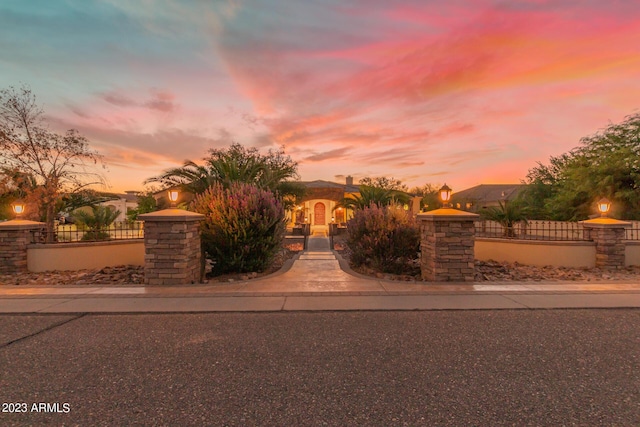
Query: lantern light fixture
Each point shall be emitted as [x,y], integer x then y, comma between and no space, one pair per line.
[173,197]
[18,208]
[603,206]
[445,195]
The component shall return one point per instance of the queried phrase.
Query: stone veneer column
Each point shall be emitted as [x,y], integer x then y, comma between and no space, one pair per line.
[608,234]
[447,245]
[14,239]
[172,252]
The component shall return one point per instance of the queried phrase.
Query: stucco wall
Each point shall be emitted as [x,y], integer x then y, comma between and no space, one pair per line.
[632,253]
[540,253]
[80,256]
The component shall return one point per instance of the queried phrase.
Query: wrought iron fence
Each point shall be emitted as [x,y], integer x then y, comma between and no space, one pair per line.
[70,233]
[633,233]
[533,230]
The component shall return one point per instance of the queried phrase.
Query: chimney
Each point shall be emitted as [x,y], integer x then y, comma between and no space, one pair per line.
[349,180]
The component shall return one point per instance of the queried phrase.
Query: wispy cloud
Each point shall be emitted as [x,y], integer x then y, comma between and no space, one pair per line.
[338,153]
[118,99]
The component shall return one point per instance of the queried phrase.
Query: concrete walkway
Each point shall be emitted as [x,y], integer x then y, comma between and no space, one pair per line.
[317,280]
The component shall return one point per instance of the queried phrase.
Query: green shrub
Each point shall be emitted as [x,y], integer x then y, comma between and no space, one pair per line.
[95,235]
[97,222]
[384,238]
[243,227]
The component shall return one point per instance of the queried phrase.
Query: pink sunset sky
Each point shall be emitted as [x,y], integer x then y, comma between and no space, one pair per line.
[459,91]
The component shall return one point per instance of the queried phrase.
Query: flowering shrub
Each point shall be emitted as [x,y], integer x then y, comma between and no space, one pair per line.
[243,227]
[383,238]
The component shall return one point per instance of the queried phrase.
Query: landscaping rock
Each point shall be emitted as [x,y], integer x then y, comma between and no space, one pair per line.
[119,275]
[122,275]
[494,271]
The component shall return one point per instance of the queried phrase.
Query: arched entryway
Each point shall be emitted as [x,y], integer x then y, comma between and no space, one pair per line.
[319,214]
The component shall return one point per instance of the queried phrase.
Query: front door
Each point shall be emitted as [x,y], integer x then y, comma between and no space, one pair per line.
[318,214]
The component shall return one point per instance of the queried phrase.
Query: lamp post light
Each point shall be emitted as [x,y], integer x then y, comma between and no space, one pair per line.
[445,195]
[603,206]
[18,209]
[173,197]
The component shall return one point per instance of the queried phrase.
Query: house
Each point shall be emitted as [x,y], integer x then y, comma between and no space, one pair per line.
[123,203]
[318,206]
[485,195]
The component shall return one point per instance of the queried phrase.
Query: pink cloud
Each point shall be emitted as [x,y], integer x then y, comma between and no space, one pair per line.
[161,101]
[476,89]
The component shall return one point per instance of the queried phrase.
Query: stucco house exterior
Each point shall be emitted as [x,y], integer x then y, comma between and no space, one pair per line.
[124,202]
[318,206]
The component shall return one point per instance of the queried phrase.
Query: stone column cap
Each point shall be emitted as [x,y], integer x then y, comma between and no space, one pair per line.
[604,222]
[21,224]
[171,215]
[447,214]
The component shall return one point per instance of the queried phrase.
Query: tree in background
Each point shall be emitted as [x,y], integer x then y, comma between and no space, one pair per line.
[373,195]
[273,171]
[146,203]
[381,191]
[387,183]
[58,163]
[430,196]
[607,164]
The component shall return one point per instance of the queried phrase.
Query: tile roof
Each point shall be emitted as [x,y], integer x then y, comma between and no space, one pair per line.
[328,184]
[489,192]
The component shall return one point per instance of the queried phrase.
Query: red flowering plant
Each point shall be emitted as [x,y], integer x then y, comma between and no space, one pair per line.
[243,227]
[384,238]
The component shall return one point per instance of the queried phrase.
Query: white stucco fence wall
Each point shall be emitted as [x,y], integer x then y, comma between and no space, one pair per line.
[632,253]
[81,256]
[538,253]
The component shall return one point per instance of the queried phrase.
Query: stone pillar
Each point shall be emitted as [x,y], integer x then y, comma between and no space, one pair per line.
[608,235]
[446,245]
[172,252]
[14,239]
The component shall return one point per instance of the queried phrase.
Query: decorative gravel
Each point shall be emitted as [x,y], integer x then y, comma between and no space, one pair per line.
[486,271]
[123,275]
[494,271]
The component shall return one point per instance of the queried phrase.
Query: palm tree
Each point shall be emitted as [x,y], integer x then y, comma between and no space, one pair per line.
[272,171]
[507,214]
[191,177]
[373,195]
[98,221]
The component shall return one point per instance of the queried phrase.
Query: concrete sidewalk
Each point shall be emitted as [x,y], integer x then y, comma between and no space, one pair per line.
[315,281]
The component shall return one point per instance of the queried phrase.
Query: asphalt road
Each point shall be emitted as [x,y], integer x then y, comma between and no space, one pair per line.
[458,368]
